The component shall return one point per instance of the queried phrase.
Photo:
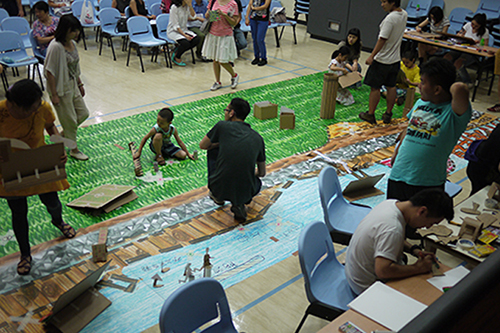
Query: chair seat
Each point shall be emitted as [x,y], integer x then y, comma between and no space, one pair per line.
[20,59]
[329,286]
[91,25]
[147,42]
[347,219]
[111,31]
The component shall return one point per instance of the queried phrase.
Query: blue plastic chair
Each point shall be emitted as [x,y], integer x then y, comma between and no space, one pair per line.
[3,14]
[19,25]
[457,19]
[161,27]
[13,54]
[76,8]
[489,7]
[326,285]
[36,49]
[128,12]
[141,35]
[155,9]
[195,304]
[105,4]
[275,26]
[149,3]
[301,7]
[109,17]
[452,189]
[243,26]
[341,217]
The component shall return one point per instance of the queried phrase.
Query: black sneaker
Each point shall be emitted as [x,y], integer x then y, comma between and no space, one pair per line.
[255,61]
[370,118]
[262,62]
[240,212]
[386,118]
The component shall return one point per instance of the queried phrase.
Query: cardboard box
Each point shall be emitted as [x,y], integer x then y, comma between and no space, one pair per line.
[287,118]
[104,199]
[265,110]
[349,79]
[26,168]
[100,250]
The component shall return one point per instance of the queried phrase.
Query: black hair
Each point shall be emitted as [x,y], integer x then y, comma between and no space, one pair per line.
[480,18]
[166,114]
[437,201]
[411,55]
[356,46]
[177,3]
[240,107]
[438,14]
[66,24]
[440,72]
[342,51]
[397,3]
[24,93]
[41,6]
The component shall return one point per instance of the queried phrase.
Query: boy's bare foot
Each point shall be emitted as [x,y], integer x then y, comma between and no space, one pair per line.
[160,160]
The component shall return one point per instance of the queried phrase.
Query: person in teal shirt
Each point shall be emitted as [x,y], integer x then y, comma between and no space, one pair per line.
[436,122]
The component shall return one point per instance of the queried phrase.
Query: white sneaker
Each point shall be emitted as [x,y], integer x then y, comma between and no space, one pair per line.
[79,156]
[216,86]
[234,81]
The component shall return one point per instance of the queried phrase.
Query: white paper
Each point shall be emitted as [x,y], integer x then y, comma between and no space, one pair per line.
[450,278]
[387,306]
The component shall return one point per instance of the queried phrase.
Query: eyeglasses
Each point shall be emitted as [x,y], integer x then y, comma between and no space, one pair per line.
[227,110]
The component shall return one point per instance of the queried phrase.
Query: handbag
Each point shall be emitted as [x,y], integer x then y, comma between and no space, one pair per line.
[205,26]
[87,15]
[278,15]
[121,25]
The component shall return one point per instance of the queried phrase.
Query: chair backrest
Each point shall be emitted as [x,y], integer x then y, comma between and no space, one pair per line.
[274,4]
[128,12]
[418,8]
[489,6]
[19,25]
[195,304]
[320,267]
[76,8]
[330,191]
[139,27]
[161,26]
[3,14]
[35,46]
[11,41]
[457,19]
[109,16]
[105,4]
[155,9]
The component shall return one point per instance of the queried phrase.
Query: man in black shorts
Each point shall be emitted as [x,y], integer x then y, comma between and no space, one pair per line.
[384,60]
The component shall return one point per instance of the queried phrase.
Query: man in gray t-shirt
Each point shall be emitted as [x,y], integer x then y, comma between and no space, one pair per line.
[384,61]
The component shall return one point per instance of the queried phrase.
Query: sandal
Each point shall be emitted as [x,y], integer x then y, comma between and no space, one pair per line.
[494,108]
[24,266]
[160,160]
[67,230]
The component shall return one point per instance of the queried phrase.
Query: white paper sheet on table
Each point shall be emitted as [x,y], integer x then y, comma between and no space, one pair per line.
[450,278]
[387,306]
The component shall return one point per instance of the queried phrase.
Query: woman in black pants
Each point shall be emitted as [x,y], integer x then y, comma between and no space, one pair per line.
[180,12]
[24,116]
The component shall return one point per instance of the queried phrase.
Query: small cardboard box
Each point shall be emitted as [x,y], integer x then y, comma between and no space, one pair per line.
[100,250]
[287,118]
[265,110]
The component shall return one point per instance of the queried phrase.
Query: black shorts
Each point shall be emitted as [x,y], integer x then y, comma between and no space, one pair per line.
[379,75]
[402,191]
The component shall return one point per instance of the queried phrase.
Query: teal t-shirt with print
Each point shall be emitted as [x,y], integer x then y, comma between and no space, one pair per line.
[432,133]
